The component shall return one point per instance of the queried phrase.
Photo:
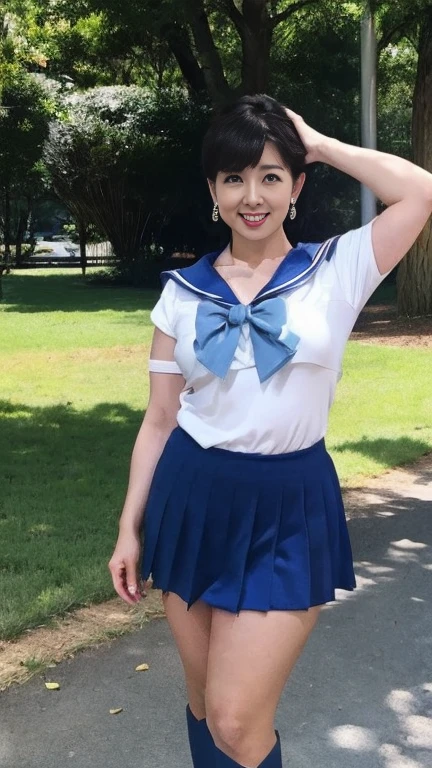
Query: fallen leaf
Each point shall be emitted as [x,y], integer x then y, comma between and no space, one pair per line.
[52,686]
[116,711]
[141,667]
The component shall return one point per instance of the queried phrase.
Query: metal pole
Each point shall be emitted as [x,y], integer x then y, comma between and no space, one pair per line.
[368,103]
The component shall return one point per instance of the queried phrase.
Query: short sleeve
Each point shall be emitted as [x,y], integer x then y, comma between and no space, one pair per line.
[356,267]
[163,313]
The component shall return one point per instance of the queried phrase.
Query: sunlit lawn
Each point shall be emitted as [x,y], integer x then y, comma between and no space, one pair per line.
[73,360]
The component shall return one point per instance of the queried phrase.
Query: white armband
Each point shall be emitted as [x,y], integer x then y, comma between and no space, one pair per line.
[163,366]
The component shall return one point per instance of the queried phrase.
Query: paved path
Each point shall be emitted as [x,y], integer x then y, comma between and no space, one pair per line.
[360,696]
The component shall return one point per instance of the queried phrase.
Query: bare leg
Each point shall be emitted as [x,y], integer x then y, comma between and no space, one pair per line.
[191,632]
[250,659]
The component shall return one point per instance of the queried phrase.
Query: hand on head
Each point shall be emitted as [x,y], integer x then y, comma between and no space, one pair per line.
[311,138]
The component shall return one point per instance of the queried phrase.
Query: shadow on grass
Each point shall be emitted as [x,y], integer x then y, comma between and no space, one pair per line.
[71,293]
[64,479]
[388,451]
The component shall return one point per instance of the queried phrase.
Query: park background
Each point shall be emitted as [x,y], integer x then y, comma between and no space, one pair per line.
[102,110]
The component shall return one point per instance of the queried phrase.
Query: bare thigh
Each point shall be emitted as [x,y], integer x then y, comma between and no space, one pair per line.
[250,659]
[191,632]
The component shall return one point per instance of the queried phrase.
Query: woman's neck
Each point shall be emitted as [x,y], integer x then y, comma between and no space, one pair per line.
[253,252]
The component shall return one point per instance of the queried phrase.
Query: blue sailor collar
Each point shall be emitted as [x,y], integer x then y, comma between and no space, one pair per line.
[298,266]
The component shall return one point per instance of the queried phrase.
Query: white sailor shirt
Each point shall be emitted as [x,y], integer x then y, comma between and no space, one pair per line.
[289,410]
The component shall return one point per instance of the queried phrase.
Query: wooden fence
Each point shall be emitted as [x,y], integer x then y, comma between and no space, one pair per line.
[98,254]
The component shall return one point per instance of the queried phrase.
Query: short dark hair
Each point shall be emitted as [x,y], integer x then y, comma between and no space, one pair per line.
[239,130]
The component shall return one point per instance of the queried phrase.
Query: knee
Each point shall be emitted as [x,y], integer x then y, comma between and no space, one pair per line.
[228,727]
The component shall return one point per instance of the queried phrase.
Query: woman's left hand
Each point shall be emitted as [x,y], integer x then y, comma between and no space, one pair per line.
[312,139]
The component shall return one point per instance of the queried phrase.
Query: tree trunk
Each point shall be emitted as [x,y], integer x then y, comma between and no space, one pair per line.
[82,230]
[20,232]
[256,37]
[7,223]
[31,228]
[208,54]
[177,39]
[414,279]
[255,22]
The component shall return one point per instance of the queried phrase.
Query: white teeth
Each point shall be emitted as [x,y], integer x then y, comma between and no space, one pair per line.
[254,218]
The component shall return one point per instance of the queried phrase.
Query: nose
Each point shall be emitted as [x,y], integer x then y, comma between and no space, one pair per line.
[252,195]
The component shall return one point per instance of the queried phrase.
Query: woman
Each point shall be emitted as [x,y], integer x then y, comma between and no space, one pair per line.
[244,527]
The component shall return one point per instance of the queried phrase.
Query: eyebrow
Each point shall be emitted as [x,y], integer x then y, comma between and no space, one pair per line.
[267,167]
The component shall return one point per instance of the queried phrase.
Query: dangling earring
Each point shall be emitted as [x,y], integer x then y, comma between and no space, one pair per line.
[293,212]
[215,214]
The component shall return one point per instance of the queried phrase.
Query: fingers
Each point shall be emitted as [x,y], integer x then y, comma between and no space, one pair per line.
[118,574]
[132,581]
[293,115]
[137,590]
[125,585]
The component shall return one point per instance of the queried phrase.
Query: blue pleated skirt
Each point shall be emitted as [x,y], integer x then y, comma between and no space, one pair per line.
[246,531]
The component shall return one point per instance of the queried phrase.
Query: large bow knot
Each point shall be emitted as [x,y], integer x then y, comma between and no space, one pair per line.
[218,330]
[238,314]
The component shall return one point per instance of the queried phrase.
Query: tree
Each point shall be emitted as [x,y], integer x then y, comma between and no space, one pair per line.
[303,52]
[121,160]
[410,22]
[25,108]
[414,280]
[24,117]
[192,33]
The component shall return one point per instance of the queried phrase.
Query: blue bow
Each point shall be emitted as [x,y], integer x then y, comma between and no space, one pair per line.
[218,331]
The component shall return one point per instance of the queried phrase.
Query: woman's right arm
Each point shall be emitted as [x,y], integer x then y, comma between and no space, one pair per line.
[159,421]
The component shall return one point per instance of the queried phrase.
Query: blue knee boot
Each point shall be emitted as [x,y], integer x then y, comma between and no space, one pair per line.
[201,742]
[273,759]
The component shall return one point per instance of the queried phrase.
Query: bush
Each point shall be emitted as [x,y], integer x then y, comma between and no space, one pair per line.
[128,161]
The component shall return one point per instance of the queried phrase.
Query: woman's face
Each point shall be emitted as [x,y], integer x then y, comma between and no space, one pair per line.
[263,193]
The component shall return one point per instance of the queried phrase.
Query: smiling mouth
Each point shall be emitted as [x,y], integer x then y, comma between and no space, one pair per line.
[254,216]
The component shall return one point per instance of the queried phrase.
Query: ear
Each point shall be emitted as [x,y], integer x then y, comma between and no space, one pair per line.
[298,185]
[212,188]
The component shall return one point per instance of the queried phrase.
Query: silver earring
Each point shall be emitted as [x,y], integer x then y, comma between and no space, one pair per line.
[293,212]
[215,214]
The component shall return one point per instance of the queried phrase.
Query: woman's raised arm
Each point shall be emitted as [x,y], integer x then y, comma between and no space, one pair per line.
[403,186]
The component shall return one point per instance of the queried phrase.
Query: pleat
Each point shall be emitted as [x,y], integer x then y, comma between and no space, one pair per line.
[247,506]
[240,514]
[325,577]
[185,572]
[157,502]
[343,570]
[292,567]
[259,567]
[211,557]
[173,525]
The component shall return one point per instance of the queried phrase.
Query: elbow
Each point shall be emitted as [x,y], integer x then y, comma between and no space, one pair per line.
[424,191]
[421,197]
[160,418]
[426,201]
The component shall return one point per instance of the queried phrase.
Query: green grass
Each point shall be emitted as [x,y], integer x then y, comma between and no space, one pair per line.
[74,390]
[382,415]
[34,665]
